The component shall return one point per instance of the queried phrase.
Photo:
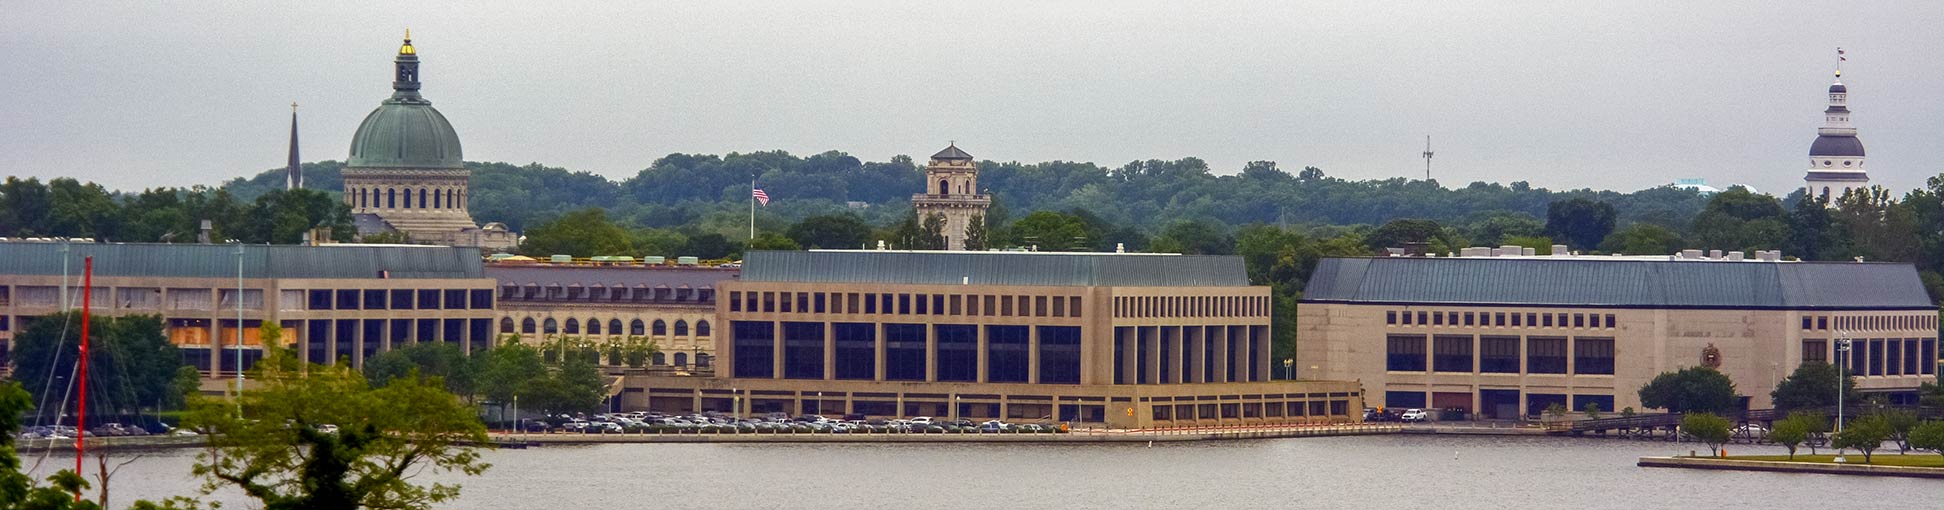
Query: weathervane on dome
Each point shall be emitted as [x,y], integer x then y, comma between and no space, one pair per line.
[1840,59]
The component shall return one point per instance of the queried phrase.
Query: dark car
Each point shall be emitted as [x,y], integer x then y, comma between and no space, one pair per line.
[537,426]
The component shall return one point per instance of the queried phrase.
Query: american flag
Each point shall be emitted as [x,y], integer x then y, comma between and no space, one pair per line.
[760,195]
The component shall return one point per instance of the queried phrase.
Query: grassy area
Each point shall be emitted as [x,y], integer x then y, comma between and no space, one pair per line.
[1913,459]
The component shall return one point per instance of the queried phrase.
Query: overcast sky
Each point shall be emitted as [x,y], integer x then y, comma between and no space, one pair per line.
[1622,95]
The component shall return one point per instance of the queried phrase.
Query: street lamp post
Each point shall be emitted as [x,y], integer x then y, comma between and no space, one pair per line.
[1842,348]
[1289,368]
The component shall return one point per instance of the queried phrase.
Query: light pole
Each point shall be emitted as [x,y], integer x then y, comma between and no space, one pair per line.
[1842,348]
[239,327]
[1289,368]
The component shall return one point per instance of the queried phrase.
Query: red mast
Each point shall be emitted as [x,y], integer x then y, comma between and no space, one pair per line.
[81,415]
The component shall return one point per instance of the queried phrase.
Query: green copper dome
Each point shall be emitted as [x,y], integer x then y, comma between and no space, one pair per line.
[405,131]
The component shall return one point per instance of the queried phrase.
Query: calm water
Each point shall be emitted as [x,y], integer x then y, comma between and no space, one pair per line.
[1348,472]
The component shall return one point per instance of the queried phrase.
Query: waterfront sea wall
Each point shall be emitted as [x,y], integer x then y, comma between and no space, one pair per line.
[1790,467]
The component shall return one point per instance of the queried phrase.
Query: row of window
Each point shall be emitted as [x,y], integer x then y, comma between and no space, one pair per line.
[387,299]
[635,327]
[392,198]
[1536,403]
[1878,356]
[871,303]
[1164,412]
[1500,319]
[599,292]
[1191,306]
[1465,354]
[1008,355]
[1869,322]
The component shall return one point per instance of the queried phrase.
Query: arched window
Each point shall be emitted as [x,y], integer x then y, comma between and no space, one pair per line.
[361,198]
[681,327]
[407,204]
[526,326]
[593,326]
[661,328]
[660,359]
[550,327]
[438,199]
[635,328]
[702,360]
[573,326]
[421,198]
[506,324]
[701,328]
[681,358]
[614,326]
[943,188]
[391,198]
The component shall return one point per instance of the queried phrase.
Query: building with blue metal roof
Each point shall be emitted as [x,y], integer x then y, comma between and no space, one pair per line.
[1505,337]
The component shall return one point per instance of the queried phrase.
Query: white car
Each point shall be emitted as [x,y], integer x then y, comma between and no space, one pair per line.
[1415,414]
[922,420]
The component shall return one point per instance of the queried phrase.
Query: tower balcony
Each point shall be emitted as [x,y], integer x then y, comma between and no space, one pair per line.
[951,200]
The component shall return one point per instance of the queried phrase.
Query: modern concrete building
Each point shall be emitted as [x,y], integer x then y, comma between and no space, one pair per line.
[952,193]
[1836,157]
[1129,340]
[333,301]
[673,307]
[1509,336]
[406,173]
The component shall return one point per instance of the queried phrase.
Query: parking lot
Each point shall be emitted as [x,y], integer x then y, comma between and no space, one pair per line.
[643,422]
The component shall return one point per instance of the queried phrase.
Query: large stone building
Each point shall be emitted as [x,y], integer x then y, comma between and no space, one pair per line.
[952,193]
[334,301]
[1509,336]
[673,307]
[1836,157]
[406,174]
[1129,340]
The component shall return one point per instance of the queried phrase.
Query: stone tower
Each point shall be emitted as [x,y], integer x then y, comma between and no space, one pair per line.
[952,191]
[1836,157]
[405,173]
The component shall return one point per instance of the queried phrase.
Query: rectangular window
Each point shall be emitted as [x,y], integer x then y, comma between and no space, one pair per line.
[401,299]
[1516,322]
[374,299]
[1405,353]
[1468,318]
[754,343]
[1451,318]
[1498,319]
[1407,319]
[821,300]
[1073,306]
[1390,317]
[428,299]
[1929,363]
[870,303]
[921,305]
[1498,354]
[958,350]
[958,302]
[1547,320]
[1452,354]
[938,304]
[803,350]
[735,301]
[1815,351]
[1422,319]
[1546,355]
[347,299]
[850,303]
[1822,322]
[885,302]
[1609,321]
[1404,399]
[1806,321]
[1593,356]
[1876,357]
[1006,306]
[786,308]
[455,299]
[904,304]
[1579,320]
[803,302]
[482,299]
[1437,319]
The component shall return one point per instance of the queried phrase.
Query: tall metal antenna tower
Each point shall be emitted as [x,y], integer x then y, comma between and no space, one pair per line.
[1427,157]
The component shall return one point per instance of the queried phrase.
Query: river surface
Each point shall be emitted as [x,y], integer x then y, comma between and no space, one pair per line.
[1366,472]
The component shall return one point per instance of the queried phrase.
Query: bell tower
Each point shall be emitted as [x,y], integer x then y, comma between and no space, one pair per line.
[952,191]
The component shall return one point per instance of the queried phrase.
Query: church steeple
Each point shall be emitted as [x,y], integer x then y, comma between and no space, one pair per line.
[405,86]
[296,169]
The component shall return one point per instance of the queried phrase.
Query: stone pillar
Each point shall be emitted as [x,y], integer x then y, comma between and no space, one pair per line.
[931,351]
[1264,352]
[1239,335]
[1032,355]
[829,351]
[215,346]
[1197,354]
[1150,337]
[984,360]
[1171,338]
[357,345]
[1221,355]
[880,360]
[1130,353]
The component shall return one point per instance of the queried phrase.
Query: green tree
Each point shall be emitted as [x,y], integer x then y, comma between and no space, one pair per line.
[843,231]
[440,360]
[1050,230]
[286,216]
[1813,385]
[509,370]
[1815,425]
[1790,433]
[1865,434]
[1642,239]
[773,241]
[1900,422]
[977,238]
[1404,233]
[1693,389]
[275,453]
[1737,219]
[1928,435]
[583,233]
[1592,410]
[1707,428]
[24,208]
[1581,222]
[131,364]
[1194,238]
[1498,226]
[577,387]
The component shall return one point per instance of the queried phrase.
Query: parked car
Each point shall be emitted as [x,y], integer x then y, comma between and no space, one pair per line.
[1415,415]
[537,426]
[922,420]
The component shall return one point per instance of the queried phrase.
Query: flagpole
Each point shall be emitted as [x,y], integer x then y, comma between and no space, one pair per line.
[752,208]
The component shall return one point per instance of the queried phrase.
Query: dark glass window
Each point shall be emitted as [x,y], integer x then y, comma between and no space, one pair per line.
[1546,355]
[735,301]
[428,299]
[401,299]
[320,299]
[755,342]
[1059,355]
[1404,399]
[1815,351]
[1390,317]
[904,352]
[528,326]
[1609,321]
[870,303]
[1605,402]
[482,299]
[1405,353]
[1546,320]
[1451,354]
[1498,319]
[660,328]
[1498,354]
[1006,354]
[374,299]
[1423,319]
[803,345]
[455,299]
[1437,319]
[1468,318]
[1593,356]
[1516,322]
[821,301]
[957,353]
[856,354]
[347,299]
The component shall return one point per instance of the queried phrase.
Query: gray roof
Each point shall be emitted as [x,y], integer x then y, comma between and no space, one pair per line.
[610,276]
[952,153]
[259,261]
[1830,145]
[995,268]
[1618,283]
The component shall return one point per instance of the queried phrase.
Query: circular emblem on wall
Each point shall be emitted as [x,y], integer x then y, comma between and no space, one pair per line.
[1711,357]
